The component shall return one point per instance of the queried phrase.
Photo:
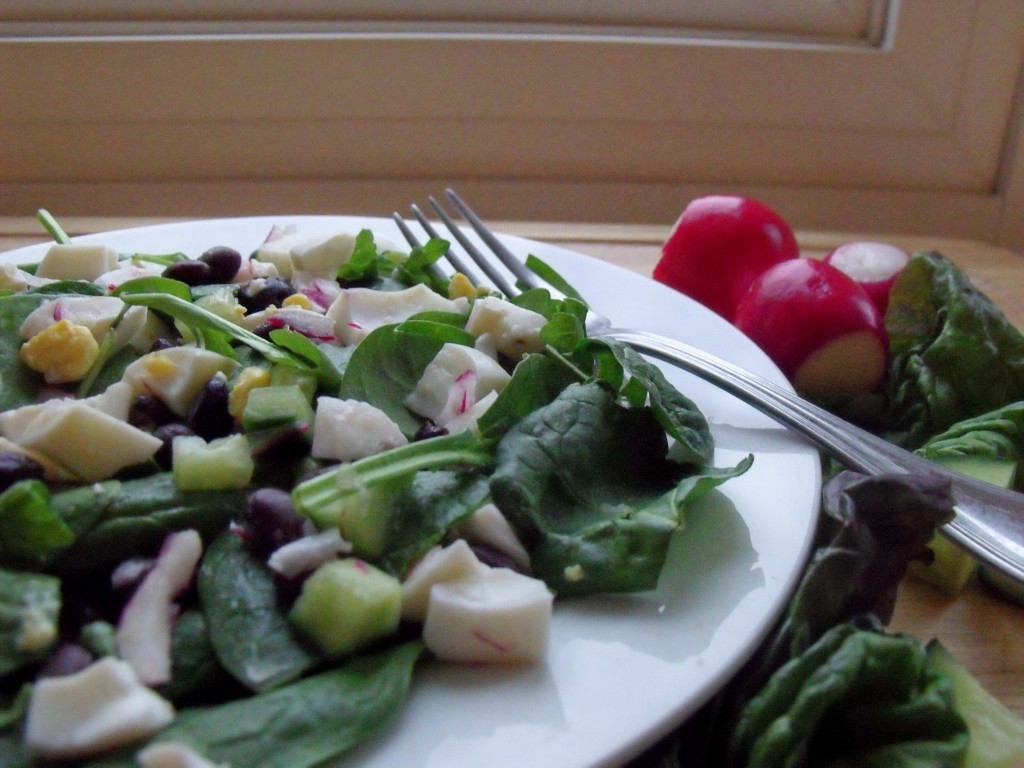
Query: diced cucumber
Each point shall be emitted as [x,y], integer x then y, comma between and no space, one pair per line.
[276,406]
[997,735]
[362,517]
[346,605]
[222,463]
[951,569]
[996,471]
[281,375]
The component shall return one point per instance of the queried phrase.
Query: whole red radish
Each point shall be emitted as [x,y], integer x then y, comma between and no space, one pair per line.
[874,265]
[718,247]
[818,325]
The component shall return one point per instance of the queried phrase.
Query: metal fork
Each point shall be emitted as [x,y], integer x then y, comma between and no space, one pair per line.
[989,521]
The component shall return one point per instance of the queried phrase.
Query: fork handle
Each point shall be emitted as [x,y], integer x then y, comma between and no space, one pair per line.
[989,521]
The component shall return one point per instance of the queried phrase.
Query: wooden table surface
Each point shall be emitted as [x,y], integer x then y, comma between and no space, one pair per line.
[984,632]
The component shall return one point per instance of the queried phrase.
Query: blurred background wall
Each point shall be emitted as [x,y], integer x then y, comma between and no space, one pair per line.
[855,115]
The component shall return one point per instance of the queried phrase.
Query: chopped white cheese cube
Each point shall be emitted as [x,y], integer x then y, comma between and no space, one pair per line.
[346,430]
[77,262]
[357,311]
[102,707]
[515,330]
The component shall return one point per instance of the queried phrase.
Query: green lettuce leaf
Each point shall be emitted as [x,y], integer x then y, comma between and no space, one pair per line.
[856,697]
[872,529]
[954,355]
[998,434]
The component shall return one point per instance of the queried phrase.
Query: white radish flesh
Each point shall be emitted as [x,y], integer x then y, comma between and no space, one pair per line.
[308,553]
[454,381]
[875,266]
[144,629]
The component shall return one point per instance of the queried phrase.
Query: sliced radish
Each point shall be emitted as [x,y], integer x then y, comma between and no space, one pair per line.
[311,324]
[144,629]
[875,266]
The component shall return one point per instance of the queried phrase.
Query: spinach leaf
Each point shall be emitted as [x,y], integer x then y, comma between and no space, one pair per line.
[426,510]
[12,753]
[29,607]
[587,485]
[327,373]
[857,697]
[215,331]
[677,414]
[954,355]
[115,520]
[30,530]
[300,725]
[385,368]
[552,277]
[155,284]
[19,384]
[195,671]
[419,267]
[66,288]
[250,634]
[536,381]
[13,708]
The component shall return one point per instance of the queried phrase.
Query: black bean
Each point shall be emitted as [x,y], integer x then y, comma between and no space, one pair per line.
[224,263]
[283,444]
[209,416]
[191,272]
[167,433]
[66,659]
[270,292]
[429,429]
[148,413]
[495,557]
[160,344]
[271,520]
[16,466]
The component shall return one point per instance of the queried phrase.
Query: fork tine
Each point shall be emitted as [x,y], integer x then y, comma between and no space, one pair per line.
[413,241]
[408,234]
[453,258]
[509,259]
[479,258]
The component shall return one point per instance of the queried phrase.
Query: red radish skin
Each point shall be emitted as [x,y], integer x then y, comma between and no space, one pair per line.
[818,325]
[719,246]
[875,266]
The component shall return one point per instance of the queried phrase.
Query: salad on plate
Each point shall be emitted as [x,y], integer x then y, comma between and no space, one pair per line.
[243,495]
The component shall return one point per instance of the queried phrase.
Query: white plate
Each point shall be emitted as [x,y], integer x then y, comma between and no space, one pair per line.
[622,670]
